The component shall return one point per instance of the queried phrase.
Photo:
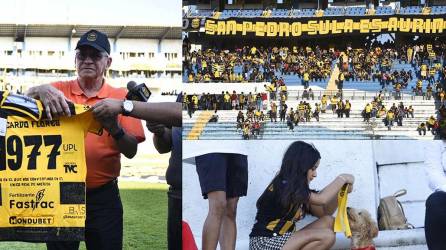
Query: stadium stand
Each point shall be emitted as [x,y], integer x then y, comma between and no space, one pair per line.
[45,53]
[329,125]
[330,11]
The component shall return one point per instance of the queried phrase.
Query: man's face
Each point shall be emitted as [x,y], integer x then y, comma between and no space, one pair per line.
[91,63]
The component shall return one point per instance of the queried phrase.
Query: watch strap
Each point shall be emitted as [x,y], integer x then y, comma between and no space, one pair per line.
[119,134]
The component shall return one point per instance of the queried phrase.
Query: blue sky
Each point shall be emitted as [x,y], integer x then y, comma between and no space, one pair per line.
[98,12]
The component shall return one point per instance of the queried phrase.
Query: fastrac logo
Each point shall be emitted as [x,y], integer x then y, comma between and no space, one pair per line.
[40,194]
[38,203]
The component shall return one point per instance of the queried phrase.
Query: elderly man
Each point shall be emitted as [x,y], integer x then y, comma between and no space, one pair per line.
[104,223]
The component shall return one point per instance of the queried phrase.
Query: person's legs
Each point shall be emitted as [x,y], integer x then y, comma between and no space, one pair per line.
[318,235]
[174,232]
[435,221]
[228,231]
[237,186]
[104,223]
[212,172]
[213,222]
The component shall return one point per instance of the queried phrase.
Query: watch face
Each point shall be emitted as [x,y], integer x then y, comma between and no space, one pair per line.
[128,106]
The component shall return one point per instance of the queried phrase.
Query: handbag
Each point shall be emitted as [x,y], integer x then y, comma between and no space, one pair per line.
[391,213]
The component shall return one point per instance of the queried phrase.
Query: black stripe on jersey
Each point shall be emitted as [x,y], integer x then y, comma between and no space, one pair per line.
[20,107]
[14,112]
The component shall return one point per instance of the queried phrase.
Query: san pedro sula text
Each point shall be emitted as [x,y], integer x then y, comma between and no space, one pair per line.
[33,124]
[324,27]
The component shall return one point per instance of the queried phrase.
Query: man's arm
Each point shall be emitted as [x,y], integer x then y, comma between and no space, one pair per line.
[167,113]
[126,143]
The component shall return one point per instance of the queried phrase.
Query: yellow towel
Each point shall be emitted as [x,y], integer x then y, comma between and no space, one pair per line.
[341,222]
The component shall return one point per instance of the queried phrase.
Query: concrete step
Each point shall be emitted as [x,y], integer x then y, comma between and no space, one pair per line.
[318,137]
[332,123]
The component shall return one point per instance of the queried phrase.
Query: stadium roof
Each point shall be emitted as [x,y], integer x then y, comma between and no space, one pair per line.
[126,19]
[113,31]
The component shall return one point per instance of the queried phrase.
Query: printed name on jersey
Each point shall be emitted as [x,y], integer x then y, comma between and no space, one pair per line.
[33,124]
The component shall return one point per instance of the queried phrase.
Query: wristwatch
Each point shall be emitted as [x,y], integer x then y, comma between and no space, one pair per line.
[127,107]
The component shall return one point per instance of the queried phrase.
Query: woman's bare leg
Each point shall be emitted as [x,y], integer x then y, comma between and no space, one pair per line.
[318,235]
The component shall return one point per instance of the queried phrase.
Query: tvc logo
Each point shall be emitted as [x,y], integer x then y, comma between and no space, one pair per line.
[70,167]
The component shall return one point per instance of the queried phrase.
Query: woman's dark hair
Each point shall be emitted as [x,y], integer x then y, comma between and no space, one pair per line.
[298,159]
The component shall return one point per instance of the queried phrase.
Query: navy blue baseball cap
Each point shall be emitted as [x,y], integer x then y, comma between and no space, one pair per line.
[95,39]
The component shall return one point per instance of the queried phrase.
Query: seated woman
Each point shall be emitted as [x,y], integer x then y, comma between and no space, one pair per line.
[288,198]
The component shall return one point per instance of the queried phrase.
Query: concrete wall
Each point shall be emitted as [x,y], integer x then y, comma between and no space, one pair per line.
[6,43]
[122,45]
[47,44]
[217,88]
[139,45]
[359,158]
[158,62]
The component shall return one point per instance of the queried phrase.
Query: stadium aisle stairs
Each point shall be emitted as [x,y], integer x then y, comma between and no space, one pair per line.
[329,127]
[199,125]
[331,85]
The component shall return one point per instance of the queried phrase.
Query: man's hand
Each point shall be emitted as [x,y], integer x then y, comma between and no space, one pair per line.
[107,108]
[162,136]
[54,101]
[157,128]
[110,123]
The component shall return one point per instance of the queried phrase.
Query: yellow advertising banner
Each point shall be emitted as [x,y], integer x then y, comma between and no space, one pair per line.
[261,27]
[42,174]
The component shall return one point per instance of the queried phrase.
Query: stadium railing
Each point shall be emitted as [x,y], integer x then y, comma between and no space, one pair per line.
[330,11]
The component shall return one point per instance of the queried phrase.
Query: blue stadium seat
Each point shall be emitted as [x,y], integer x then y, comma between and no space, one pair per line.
[384,10]
[438,10]
[334,12]
[355,11]
[204,13]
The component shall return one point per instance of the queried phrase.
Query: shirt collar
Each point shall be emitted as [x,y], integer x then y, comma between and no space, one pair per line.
[102,93]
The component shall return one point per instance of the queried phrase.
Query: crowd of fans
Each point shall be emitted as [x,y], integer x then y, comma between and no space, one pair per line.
[252,64]
[396,114]
[255,109]
[269,64]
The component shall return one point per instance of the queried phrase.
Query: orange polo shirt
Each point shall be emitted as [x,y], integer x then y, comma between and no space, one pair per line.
[101,152]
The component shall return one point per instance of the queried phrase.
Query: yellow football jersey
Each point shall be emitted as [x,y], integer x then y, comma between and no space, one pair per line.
[42,171]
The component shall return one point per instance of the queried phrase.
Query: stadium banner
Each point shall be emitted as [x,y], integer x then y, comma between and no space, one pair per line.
[42,185]
[42,175]
[192,24]
[324,26]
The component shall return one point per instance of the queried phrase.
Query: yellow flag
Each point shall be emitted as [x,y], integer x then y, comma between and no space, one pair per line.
[341,222]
